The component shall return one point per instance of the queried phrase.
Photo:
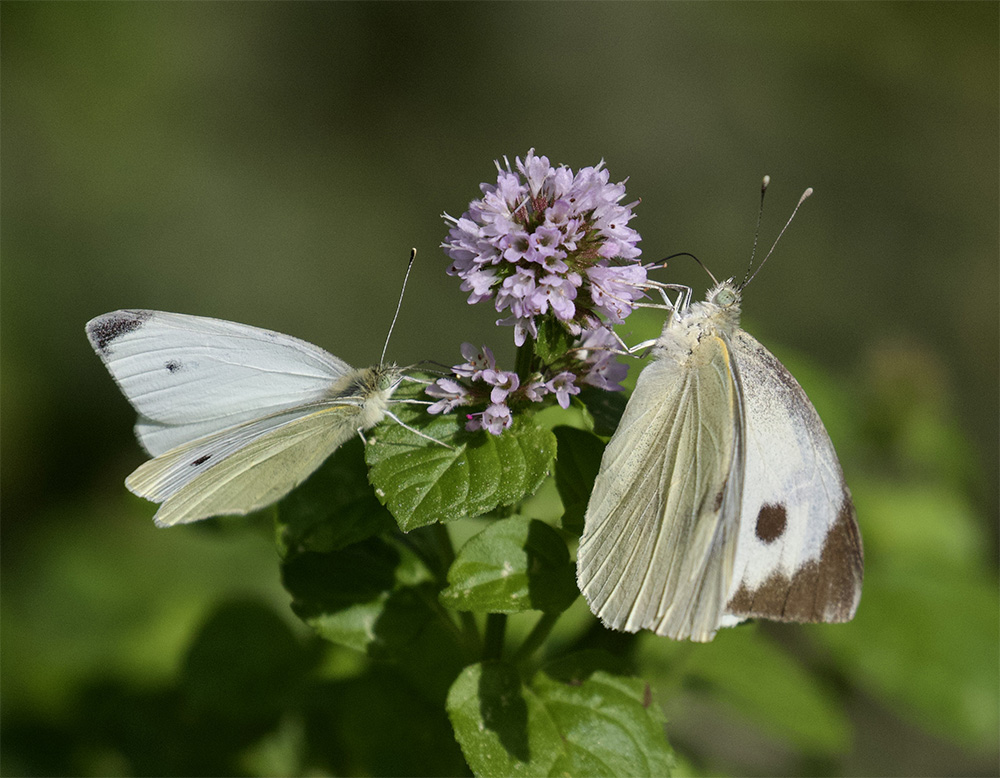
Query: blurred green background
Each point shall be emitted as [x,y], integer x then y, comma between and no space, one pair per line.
[274,163]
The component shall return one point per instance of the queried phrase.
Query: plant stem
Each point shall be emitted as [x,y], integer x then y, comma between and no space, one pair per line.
[522,364]
[496,626]
[536,637]
[446,551]
[446,555]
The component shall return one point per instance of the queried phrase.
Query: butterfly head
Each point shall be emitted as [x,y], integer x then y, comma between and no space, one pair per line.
[721,308]
[725,295]
[385,377]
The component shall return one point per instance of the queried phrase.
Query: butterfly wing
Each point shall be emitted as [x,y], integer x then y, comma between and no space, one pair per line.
[799,554]
[192,376]
[660,530]
[245,468]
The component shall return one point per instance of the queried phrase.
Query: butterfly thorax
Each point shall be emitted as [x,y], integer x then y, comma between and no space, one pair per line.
[369,388]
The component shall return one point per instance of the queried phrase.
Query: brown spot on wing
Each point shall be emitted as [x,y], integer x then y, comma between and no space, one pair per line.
[825,590]
[771,523]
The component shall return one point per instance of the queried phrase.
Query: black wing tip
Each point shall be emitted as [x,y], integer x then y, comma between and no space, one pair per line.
[104,330]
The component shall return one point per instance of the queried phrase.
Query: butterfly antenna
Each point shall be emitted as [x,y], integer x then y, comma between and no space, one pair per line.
[413,256]
[770,251]
[756,233]
[660,264]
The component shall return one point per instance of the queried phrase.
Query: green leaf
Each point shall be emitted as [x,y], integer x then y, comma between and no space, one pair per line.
[334,508]
[611,725]
[321,583]
[603,725]
[605,408]
[577,465]
[375,598]
[513,565]
[423,482]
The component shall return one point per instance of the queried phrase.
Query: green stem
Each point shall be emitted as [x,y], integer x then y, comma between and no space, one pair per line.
[445,616]
[496,626]
[525,355]
[445,549]
[446,555]
[536,637]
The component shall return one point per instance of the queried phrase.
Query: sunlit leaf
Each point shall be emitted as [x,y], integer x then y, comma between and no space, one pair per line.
[603,725]
[422,482]
[513,565]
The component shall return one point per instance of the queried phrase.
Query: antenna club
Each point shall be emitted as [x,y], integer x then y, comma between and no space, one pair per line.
[805,194]
[764,183]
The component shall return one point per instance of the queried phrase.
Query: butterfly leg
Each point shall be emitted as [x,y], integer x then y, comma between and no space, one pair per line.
[404,425]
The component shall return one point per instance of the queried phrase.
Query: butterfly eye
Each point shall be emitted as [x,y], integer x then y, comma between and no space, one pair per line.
[725,298]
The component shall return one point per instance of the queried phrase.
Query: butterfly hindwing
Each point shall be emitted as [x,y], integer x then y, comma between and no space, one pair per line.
[799,554]
[245,468]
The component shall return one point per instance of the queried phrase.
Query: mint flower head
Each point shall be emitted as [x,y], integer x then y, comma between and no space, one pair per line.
[547,241]
[477,382]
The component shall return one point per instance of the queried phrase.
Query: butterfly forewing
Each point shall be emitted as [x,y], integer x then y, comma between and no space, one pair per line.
[659,543]
[799,553]
[191,376]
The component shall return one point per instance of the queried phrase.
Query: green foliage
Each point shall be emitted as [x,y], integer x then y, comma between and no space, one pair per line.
[334,508]
[513,565]
[133,651]
[401,678]
[465,474]
[589,725]
[576,469]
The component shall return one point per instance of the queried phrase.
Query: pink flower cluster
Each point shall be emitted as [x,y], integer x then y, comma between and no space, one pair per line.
[477,380]
[545,240]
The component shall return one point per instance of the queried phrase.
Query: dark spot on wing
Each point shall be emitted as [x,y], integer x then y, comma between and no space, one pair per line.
[201,460]
[771,523]
[827,589]
[104,330]
[173,366]
[718,500]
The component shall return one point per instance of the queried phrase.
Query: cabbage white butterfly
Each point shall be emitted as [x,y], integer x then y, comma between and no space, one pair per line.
[234,416]
[720,496]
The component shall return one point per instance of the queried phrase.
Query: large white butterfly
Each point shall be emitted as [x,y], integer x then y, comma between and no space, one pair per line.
[234,416]
[719,497]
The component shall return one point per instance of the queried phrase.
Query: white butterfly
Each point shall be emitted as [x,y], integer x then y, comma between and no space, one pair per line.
[720,496]
[234,416]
